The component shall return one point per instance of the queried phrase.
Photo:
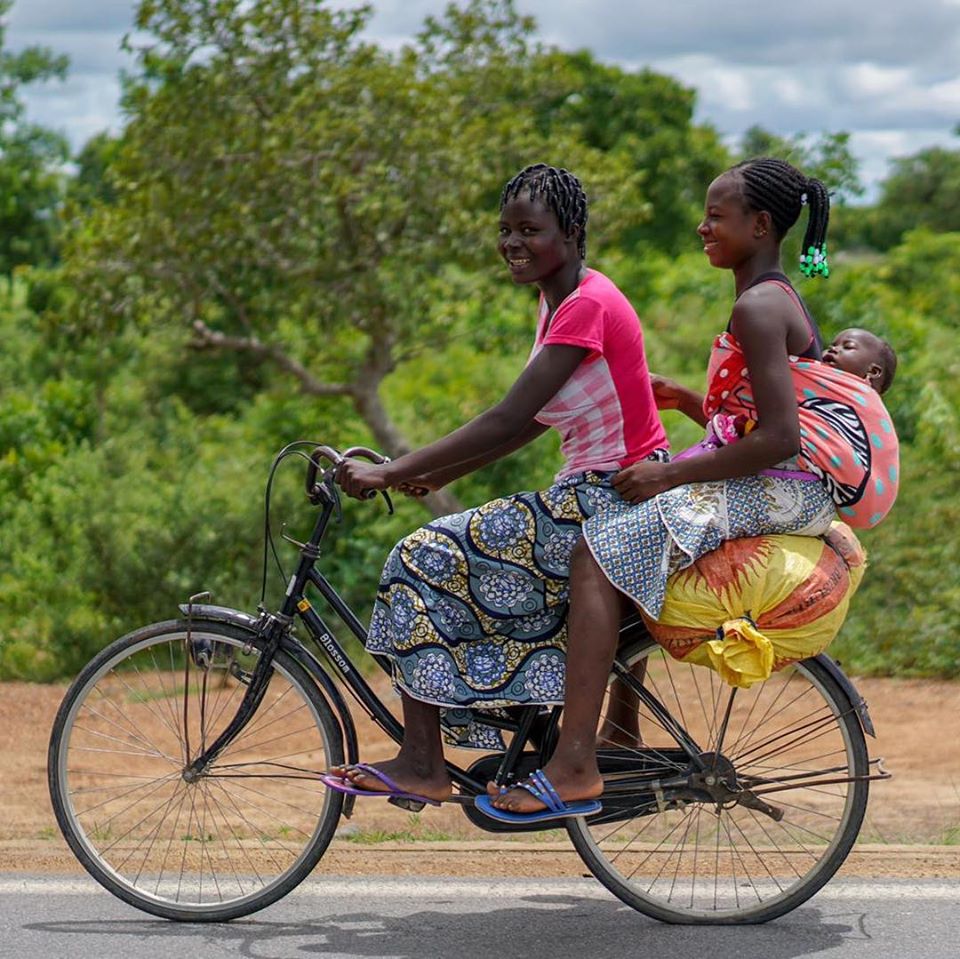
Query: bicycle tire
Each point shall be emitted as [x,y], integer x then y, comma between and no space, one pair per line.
[243,834]
[682,857]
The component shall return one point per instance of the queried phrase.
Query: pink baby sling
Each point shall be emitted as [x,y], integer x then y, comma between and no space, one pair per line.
[847,438]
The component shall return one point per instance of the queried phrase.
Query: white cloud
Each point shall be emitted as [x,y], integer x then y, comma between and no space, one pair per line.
[868,79]
[718,85]
[88,15]
[90,51]
[946,96]
[84,108]
[879,148]
[887,72]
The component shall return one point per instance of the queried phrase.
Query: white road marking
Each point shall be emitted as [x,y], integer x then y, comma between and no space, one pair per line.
[485,890]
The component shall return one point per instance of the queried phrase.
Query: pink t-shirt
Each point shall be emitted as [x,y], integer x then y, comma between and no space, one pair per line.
[605,412]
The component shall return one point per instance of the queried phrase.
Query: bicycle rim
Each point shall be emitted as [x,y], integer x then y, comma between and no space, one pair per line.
[678,854]
[240,836]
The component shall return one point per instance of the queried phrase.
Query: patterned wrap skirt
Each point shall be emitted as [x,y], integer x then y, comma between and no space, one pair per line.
[640,546]
[472,608]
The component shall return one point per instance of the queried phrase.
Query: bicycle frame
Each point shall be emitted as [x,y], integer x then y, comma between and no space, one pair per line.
[275,629]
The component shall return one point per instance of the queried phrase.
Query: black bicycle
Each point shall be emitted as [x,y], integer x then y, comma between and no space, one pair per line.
[185,761]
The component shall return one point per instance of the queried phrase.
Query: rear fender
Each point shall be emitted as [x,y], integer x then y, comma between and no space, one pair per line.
[632,629]
[197,612]
[857,702]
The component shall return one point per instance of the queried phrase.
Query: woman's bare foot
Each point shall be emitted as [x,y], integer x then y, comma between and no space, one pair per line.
[572,785]
[431,783]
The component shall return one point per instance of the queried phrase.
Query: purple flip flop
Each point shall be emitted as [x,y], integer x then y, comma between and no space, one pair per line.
[394,791]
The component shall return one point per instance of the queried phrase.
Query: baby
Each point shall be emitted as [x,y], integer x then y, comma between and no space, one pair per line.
[863,354]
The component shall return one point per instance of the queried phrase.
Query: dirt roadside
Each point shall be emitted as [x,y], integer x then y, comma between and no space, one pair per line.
[912,827]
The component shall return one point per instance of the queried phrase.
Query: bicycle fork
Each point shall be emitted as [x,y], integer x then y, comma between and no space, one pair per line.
[273,628]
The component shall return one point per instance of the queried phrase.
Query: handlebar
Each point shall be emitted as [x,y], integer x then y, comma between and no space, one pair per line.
[335,458]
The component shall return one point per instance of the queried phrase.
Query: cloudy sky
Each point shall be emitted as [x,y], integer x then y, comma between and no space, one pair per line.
[887,72]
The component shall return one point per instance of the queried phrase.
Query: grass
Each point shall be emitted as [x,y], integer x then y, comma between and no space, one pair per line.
[951,836]
[415,831]
[946,833]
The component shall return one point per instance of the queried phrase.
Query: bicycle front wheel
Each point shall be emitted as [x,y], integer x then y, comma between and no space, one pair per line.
[236,838]
[760,826]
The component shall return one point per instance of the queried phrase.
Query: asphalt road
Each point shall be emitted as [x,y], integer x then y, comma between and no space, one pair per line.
[476,919]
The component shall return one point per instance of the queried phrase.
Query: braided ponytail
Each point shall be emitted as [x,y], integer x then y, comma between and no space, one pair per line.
[782,190]
[813,253]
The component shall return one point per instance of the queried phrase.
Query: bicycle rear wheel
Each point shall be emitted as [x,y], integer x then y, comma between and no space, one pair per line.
[777,820]
[239,836]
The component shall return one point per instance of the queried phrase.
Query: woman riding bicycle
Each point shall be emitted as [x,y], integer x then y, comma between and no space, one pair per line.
[786,475]
[472,607]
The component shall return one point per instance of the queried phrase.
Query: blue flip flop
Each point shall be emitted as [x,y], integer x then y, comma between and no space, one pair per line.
[393,791]
[542,789]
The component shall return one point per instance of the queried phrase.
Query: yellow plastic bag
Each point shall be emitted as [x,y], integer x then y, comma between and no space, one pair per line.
[755,605]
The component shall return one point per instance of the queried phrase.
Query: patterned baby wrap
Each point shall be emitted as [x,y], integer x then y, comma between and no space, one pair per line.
[846,434]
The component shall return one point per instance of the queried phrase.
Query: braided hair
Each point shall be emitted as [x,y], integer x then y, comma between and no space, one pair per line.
[560,192]
[782,190]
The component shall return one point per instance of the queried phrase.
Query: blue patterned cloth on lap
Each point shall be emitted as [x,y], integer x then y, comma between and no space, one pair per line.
[472,607]
[640,546]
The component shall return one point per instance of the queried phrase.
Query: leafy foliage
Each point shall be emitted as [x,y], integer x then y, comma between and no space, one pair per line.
[290,206]
[284,188]
[31,157]
[648,119]
[826,157]
[922,191]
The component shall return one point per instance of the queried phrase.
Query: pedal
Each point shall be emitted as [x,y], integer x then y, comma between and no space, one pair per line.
[411,805]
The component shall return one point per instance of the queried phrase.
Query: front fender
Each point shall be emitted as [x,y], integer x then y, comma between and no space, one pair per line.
[197,612]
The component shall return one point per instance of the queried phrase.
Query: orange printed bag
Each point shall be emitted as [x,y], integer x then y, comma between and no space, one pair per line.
[758,604]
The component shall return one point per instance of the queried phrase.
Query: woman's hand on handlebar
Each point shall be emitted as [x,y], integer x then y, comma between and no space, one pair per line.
[357,478]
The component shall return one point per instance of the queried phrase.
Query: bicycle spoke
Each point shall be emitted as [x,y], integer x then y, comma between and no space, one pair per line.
[686,847]
[196,841]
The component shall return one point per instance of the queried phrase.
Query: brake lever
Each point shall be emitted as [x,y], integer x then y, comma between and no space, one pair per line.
[328,480]
[315,489]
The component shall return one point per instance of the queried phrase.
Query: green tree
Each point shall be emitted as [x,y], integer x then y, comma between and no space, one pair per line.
[294,193]
[648,118]
[31,159]
[827,157]
[91,181]
[922,190]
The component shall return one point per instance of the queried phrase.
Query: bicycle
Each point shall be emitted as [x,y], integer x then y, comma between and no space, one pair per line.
[185,760]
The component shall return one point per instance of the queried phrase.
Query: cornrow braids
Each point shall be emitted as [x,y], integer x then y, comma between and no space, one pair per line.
[560,191]
[782,190]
